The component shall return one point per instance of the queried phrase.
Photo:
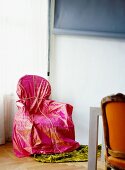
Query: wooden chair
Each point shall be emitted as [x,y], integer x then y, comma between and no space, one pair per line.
[113,115]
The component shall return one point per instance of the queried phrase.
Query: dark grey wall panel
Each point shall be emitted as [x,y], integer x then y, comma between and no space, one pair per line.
[91,17]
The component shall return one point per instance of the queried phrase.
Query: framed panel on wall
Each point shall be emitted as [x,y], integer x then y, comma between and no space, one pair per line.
[90,17]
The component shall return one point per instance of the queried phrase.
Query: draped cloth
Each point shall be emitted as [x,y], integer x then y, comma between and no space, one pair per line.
[41,126]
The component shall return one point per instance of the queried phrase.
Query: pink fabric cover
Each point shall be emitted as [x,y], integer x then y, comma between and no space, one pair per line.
[41,125]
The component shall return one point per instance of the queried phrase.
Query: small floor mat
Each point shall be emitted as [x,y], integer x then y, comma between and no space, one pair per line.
[78,155]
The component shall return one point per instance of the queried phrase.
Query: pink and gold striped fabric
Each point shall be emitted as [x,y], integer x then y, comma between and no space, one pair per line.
[41,125]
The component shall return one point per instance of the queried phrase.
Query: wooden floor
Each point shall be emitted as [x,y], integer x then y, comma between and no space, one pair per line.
[8,161]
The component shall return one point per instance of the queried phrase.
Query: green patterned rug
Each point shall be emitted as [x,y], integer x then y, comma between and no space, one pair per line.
[78,155]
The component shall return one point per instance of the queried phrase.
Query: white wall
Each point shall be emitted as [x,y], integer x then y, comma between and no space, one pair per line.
[83,70]
[23,37]
[23,50]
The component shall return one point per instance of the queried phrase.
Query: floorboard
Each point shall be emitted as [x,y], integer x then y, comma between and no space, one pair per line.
[8,161]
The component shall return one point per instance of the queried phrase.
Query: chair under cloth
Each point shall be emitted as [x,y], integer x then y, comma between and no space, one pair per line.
[41,125]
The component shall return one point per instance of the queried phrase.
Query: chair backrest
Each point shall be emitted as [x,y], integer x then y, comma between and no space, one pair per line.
[113,114]
[33,90]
